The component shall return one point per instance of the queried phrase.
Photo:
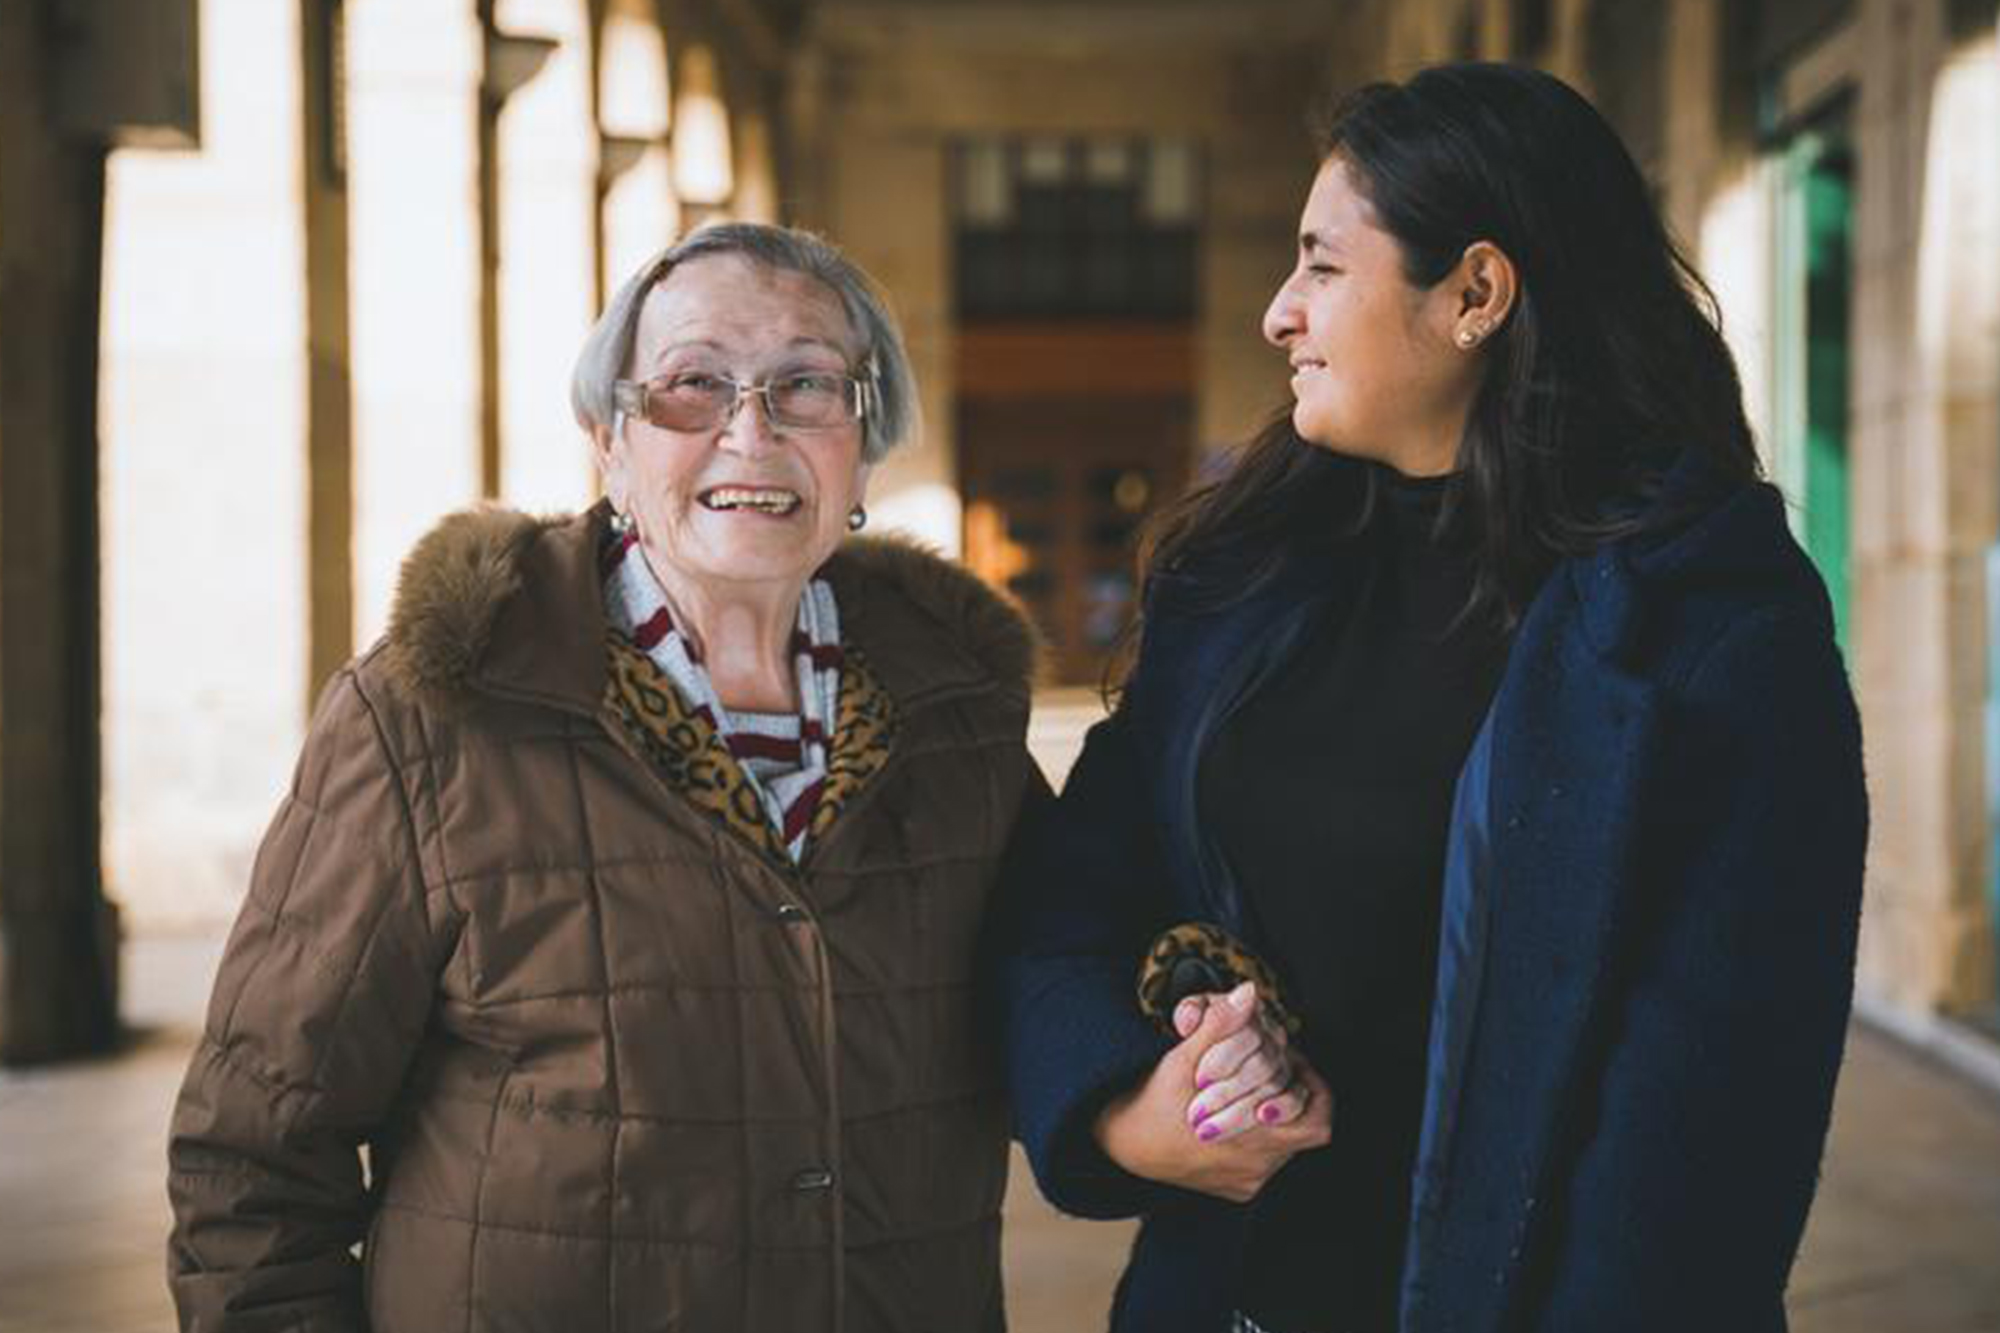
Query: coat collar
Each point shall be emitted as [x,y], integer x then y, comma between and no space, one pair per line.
[494,601]
[1717,537]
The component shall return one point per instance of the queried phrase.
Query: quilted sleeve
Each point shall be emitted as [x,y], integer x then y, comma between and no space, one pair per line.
[321,997]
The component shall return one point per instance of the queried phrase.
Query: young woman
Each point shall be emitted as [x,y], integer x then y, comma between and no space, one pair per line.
[1489,725]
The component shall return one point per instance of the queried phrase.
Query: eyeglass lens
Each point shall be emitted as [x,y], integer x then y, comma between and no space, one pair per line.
[700,402]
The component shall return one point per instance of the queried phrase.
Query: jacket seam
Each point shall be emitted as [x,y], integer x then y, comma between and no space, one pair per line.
[412,862]
[611,1042]
[725,988]
[527,1105]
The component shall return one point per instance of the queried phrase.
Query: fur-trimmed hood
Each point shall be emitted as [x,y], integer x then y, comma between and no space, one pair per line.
[496,599]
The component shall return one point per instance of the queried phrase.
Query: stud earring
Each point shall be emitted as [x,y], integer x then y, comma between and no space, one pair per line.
[621,523]
[857,519]
[1466,337]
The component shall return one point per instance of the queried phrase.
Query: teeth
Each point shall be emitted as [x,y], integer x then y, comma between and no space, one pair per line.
[745,497]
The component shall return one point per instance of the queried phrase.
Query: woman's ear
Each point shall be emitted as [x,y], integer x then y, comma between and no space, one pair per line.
[606,449]
[1482,292]
[1489,284]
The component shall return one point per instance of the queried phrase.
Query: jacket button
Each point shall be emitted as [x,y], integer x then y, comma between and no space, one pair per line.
[812,1178]
[793,915]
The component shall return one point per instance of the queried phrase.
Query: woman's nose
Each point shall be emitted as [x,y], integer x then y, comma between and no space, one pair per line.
[748,429]
[1281,317]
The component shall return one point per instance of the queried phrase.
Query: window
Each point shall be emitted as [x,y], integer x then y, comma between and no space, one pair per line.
[1074,228]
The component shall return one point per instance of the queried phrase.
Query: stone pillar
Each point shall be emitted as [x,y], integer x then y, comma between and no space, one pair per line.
[1926,478]
[329,398]
[1692,139]
[58,935]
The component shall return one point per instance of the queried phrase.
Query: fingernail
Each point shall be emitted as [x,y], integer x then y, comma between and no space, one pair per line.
[1207,1133]
[1243,996]
[1202,1084]
[1201,1113]
[1267,1113]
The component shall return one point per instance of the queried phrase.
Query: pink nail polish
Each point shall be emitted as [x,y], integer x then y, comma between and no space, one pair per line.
[1201,1084]
[1207,1133]
[1200,1114]
[1267,1113]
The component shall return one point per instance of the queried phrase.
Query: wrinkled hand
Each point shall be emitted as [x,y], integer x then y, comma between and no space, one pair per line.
[1238,1144]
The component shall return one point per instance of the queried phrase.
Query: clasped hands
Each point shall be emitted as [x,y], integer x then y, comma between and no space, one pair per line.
[1225,1108]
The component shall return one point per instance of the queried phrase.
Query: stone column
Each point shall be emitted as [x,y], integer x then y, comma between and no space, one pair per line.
[58,935]
[1926,476]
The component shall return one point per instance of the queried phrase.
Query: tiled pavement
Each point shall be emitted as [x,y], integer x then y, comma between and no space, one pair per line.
[1905,1237]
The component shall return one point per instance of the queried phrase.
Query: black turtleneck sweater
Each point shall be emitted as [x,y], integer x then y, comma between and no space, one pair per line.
[1329,793]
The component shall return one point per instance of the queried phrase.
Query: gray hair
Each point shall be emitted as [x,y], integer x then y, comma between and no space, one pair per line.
[607,351]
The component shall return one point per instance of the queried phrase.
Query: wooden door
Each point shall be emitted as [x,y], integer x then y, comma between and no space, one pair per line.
[1057,488]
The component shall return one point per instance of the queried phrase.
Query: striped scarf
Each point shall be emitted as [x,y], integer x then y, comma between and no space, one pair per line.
[783,754]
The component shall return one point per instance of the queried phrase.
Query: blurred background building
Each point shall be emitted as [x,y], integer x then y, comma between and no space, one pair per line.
[283,281]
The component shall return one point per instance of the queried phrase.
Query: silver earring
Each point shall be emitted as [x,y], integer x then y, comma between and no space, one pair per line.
[857,519]
[621,522]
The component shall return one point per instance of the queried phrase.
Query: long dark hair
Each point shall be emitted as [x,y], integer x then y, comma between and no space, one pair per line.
[1609,368]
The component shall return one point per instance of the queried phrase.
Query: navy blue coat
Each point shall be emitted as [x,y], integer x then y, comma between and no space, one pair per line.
[1652,892]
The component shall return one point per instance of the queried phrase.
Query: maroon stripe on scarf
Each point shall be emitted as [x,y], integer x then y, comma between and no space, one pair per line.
[798,815]
[657,627]
[825,656]
[750,745]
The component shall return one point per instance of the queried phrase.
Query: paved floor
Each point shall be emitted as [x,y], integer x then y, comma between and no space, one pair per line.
[1905,1237]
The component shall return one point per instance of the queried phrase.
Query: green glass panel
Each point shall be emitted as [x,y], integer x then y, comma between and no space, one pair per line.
[1812,358]
[1829,221]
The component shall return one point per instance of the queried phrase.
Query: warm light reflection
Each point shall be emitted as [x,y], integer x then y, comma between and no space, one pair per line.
[1958,245]
[413,275]
[989,550]
[756,176]
[641,217]
[703,171]
[632,78]
[547,179]
[930,511]
[641,214]
[1735,257]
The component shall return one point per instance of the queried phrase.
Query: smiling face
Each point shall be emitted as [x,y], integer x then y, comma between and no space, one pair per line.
[742,502]
[1375,372]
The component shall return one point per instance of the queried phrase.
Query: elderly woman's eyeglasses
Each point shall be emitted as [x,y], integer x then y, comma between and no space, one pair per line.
[793,400]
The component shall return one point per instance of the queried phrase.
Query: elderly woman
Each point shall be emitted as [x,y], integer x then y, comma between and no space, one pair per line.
[608,965]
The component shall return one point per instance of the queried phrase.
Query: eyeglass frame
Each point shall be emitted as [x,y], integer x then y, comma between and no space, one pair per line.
[864,398]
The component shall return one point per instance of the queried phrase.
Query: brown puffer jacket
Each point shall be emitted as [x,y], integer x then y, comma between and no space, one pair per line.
[614,1064]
